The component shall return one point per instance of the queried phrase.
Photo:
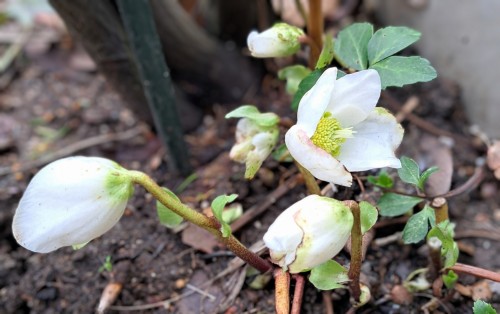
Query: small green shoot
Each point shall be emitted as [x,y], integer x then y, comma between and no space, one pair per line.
[218,205]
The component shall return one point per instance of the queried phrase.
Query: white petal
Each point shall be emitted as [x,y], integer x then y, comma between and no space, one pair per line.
[354,97]
[68,202]
[284,236]
[313,104]
[321,164]
[373,144]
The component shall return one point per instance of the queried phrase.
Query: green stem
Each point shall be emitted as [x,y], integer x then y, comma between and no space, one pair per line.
[309,180]
[356,250]
[315,25]
[440,206]
[207,223]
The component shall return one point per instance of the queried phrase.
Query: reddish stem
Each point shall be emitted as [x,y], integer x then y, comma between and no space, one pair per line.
[476,271]
[282,291]
[356,250]
[298,294]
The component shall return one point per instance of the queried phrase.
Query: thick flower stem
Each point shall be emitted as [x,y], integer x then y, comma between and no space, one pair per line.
[298,293]
[356,251]
[282,291]
[207,223]
[315,26]
[440,206]
[309,180]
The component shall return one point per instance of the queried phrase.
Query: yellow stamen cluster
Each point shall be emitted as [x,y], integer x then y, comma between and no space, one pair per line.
[329,135]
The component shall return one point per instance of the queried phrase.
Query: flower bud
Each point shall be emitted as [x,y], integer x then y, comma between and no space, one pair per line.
[70,202]
[309,233]
[254,143]
[281,40]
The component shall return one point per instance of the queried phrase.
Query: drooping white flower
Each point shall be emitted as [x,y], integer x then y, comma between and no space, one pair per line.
[309,233]
[256,135]
[70,202]
[339,129]
[281,40]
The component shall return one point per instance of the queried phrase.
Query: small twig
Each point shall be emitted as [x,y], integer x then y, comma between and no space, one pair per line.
[470,184]
[198,290]
[75,147]
[476,271]
[270,199]
[407,108]
[421,123]
[478,233]
[298,294]
[327,302]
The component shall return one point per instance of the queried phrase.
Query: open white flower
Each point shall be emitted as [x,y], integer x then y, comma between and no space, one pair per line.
[70,202]
[339,129]
[309,233]
[281,40]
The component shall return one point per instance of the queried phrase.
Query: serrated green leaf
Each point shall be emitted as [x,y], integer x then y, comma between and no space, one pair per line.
[251,112]
[293,75]
[383,180]
[391,204]
[305,85]
[351,45]
[418,225]
[425,175]
[166,216]
[390,40]
[329,275]
[326,56]
[409,171]
[449,250]
[450,279]
[369,215]
[399,71]
[481,307]
[218,205]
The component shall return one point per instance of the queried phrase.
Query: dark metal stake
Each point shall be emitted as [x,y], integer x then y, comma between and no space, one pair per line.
[139,25]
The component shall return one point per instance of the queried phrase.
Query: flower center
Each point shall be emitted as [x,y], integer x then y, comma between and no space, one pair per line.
[329,135]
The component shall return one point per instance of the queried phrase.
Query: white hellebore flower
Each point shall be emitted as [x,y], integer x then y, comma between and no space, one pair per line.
[339,129]
[70,202]
[281,40]
[309,233]
[253,144]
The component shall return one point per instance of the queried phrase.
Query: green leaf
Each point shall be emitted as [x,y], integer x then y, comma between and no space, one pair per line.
[390,40]
[450,279]
[425,175]
[281,154]
[418,225]
[391,204]
[326,56]
[329,275]
[369,215]
[167,217]
[481,307]
[351,45]
[251,112]
[399,71]
[409,171]
[383,180]
[218,205]
[305,85]
[449,250]
[293,75]
[233,212]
